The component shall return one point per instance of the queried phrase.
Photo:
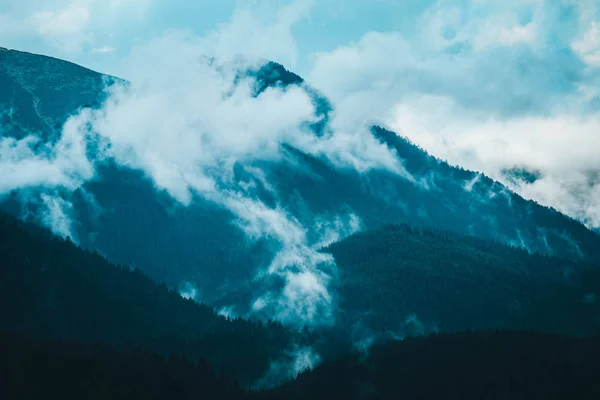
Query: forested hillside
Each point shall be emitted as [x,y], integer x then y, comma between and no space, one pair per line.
[486,365]
[50,288]
[34,369]
[408,280]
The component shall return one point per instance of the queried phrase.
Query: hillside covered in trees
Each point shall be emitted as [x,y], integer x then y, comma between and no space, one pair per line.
[407,280]
[485,365]
[50,288]
[34,369]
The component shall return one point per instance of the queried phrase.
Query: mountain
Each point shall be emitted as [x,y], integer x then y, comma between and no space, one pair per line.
[406,281]
[50,288]
[253,251]
[39,93]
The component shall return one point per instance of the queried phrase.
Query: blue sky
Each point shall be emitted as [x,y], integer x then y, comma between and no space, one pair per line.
[97,33]
[487,84]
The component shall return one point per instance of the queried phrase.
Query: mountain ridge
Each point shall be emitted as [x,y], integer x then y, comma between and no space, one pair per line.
[128,217]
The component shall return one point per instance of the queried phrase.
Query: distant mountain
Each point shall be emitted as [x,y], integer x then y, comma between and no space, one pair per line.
[407,281]
[122,215]
[50,288]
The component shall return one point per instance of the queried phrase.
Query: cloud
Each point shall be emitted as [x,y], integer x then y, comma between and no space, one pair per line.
[306,272]
[489,86]
[69,26]
[295,361]
[451,55]
[66,28]
[189,291]
[562,147]
[28,163]
[588,46]
[57,215]
[104,50]
[183,120]
[250,34]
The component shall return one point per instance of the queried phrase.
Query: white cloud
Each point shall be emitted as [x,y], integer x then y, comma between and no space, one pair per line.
[27,163]
[563,147]
[189,291]
[104,50]
[66,28]
[251,35]
[588,47]
[183,119]
[487,85]
[56,216]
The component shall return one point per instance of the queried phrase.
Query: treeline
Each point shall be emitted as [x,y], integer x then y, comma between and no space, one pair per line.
[484,365]
[33,369]
[50,288]
[413,281]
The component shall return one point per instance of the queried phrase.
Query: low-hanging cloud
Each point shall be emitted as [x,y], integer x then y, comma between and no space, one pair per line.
[30,163]
[56,215]
[490,86]
[186,121]
[562,149]
[296,360]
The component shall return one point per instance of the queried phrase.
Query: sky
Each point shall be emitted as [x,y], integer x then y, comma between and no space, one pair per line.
[99,33]
[490,85]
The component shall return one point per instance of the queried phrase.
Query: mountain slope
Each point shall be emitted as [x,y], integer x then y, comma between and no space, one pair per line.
[298,201]
[39,93]
[491,365]
[485,365]
[94,371]
[405,281]
[52,289]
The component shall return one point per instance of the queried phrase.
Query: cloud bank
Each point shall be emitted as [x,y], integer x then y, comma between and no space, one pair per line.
[186,121]
[491,86]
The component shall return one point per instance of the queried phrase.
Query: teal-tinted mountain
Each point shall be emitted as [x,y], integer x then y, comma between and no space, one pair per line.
[39,93]
[408,281]
[482,365]
[52,289]
[130,222]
